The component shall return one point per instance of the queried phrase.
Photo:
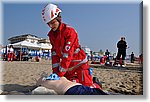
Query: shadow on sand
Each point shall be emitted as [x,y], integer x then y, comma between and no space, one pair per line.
[17,89]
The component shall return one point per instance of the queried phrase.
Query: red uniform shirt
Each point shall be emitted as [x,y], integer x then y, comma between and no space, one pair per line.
[66,51]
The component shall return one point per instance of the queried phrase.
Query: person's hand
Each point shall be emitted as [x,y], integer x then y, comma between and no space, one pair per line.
[60,86]
[40,81]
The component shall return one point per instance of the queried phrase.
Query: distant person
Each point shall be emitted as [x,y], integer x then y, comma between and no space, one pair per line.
[91,52]
[10,53]
[18,55]
[114,56]
[4,54]
[122,46]
[37,59]
[141,58]
[107,54]
[68,59]
[132,57]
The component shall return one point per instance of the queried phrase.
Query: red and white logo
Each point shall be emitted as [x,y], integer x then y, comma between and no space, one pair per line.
[67,48]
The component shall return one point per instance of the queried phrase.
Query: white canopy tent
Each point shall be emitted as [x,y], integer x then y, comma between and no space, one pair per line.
[25,44]
[33,48]
[31,45]
[45,46]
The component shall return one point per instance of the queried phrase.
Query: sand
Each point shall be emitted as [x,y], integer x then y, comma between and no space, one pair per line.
[19,77]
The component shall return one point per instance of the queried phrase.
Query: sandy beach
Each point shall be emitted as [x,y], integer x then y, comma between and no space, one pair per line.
[18,77]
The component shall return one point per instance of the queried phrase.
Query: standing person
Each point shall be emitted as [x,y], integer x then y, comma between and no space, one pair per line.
[107,54]
[121,45]
[68,59]
[141,58]
[10,53]
[91,52]
[132,57]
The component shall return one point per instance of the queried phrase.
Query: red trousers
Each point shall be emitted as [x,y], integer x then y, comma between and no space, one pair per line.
[10,56]
[80,75]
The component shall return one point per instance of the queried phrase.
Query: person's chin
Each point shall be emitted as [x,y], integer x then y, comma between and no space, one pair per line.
[54,29]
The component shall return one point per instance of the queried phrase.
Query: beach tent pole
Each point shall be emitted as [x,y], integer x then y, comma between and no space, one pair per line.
[20,52]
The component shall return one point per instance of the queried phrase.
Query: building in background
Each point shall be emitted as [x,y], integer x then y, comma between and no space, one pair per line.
[29,45]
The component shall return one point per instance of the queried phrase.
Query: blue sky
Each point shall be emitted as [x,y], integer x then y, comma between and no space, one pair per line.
[99,25]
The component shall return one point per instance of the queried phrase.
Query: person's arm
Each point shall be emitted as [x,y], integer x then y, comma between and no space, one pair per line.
[126,45]
[55,61]
[55,58]
[118,44]
[68,50]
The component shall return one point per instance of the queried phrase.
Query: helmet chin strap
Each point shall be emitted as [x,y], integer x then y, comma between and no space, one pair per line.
[59,17]
[59,20]
[59,24]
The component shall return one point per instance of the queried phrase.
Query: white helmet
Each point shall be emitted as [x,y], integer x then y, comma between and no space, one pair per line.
[50,12]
